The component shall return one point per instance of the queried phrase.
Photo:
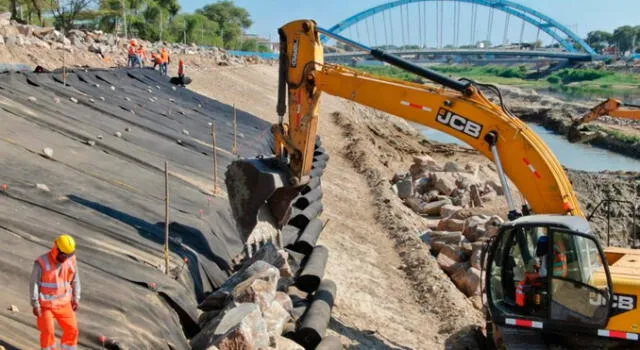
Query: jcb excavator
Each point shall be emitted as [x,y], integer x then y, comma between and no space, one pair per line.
[611,107]
[588,291]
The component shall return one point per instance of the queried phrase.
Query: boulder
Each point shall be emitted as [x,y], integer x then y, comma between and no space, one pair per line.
[275,316]
[451,238]
[452,167]
[241,327]
[492,226]
[472,168]
[476,256]
[5,19]
[466,246]
[421,185]
[422,165]
[473,282]
[458,275]
[259,289]
[445,183]
[476,301]
[464,181]
[431,208]
[94,48]
[450,225]
[405,187]
[448,210]
[54,36]
[475,200]
[474,228]
[41,32]
[25,30]
[247,274]
[448,257]
[285,301]
[496,186]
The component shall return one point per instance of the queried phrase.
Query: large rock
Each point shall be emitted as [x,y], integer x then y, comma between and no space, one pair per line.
[449,210]
[40,43]
[496,186]
[452,167]
[249,273]
[405,187]
[445,183]
[474,228]
[422,165]
[473,282]
[25,30]
[54,36]
[438,239]
[421,207]
[258,289]
[448,257]
[241,327]
[284,300]
[41,32]
[5,19]
[9,30]
[450,225]
[476,255]
[275,316]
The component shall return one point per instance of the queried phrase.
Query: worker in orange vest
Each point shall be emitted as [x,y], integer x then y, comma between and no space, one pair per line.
[142,55]
[156,59]
[55,293]
[166,59]
[133,56]
[537,279]
[181,68]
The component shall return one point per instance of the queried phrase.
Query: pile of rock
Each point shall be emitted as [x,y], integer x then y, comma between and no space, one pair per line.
[443,195]
[98,42]
[258,307]
[428,186]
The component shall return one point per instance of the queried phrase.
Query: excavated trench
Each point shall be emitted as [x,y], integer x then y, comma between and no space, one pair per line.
[111,132]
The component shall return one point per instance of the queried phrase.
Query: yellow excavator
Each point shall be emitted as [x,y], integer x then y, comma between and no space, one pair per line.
[588,292]
[611,107]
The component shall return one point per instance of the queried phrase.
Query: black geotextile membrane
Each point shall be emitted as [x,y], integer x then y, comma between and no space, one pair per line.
[110,197]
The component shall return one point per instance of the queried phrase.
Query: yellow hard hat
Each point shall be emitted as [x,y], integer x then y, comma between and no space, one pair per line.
[66,244]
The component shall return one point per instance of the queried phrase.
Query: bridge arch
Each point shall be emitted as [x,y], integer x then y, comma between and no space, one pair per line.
[533,17]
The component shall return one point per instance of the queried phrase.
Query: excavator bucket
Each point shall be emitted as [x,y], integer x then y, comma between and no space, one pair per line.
[256,186]
[578,134]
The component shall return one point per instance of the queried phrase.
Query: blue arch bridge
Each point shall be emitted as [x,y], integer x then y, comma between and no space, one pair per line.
[464,30]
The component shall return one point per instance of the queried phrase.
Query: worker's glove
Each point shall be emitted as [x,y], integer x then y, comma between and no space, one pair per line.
[36,311]
[75,305]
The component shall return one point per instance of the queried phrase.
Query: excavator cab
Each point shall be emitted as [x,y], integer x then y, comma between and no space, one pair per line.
[548,273]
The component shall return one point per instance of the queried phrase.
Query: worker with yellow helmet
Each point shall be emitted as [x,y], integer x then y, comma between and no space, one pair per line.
[55,293]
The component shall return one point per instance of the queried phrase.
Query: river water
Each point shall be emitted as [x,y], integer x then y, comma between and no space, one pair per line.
[571,155]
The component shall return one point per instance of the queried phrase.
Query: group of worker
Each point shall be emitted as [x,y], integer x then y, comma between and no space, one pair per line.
[138,56]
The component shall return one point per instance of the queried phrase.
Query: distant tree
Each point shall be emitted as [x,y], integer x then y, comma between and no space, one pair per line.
[65,12]
[598,39]
[231,20]
[624,38]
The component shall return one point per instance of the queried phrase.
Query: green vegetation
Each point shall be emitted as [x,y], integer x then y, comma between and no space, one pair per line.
[626,138]
[576,82]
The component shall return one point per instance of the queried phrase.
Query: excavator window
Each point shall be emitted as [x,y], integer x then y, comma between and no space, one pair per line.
[543,272]
[575,296]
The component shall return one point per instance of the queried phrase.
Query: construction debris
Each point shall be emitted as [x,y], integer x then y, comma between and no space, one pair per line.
[48,153]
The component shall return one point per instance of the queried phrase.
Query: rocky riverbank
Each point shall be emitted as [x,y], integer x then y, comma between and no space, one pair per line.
[93,47]
[618,135]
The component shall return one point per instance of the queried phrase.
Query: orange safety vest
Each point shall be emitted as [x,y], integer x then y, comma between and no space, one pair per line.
[55,282]
[560,267]
[181,67]
[142,52]
[132,50]
[164,55]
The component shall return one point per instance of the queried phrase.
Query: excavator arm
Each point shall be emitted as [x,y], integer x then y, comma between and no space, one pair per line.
[611,107]
[460,110]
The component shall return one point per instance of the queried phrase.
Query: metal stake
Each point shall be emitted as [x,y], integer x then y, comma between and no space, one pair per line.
[235,132]
[215,158]
[166,218]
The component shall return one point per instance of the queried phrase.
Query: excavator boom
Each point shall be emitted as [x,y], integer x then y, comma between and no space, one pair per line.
[611,107]
[458,109]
